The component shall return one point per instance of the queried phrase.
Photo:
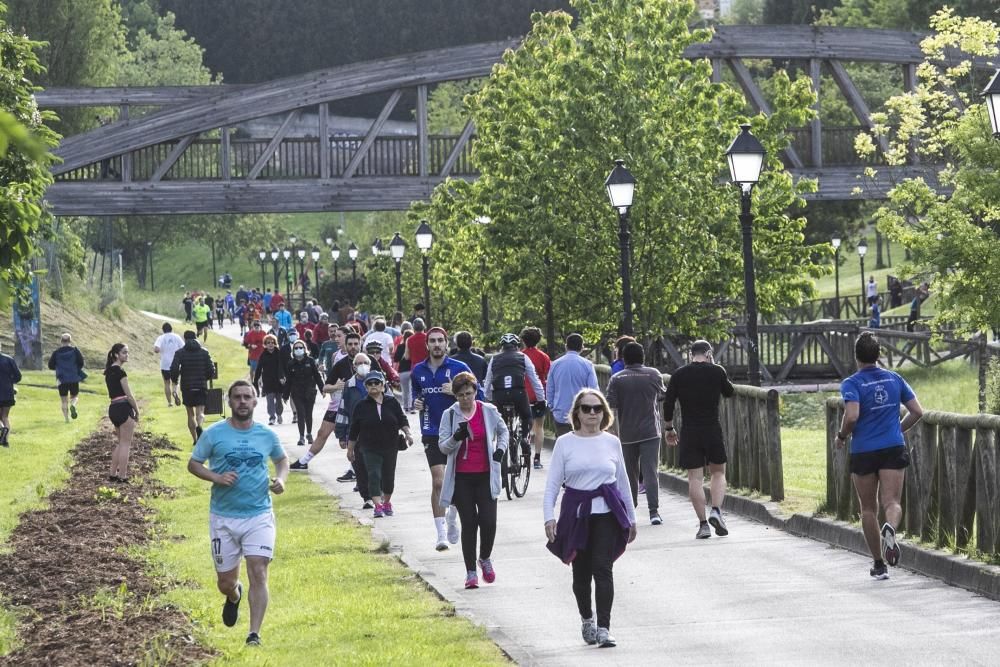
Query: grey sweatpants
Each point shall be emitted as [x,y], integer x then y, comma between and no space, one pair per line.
[644,455]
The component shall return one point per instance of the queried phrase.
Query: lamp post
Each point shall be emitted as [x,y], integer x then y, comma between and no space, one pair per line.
[425,239]
[746,159]
[301,272]
[315,258]
[992,95]
[262,255]
[286,253]
[621,186]
[274,260]
[335,255]
[484,302]
[149,251]
[862,251]
[835,242]
[397,248]
[352,252]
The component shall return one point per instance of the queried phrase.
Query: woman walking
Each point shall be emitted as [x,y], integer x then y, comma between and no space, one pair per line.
[271,369]
[595,521]
[403,366]
[123,411]
[303,379]
[375,426]
[474,438]
[9,376]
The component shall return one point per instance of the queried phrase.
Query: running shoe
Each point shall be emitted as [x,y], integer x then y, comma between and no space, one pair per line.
[387,509]
[451,517]
[654,518]
[368,504]
[704,532]
[72,411]
[4,431]
[890,548]
[231,610]
[471,580]
[309,438]
[270,421]
[298,465]
[301,442]
[279,419]
[253,639]
[538,463]
[589,631]
[347,477]
[715,518]
[442,544]
[879,572]
[604,639]
[379,512]
[489,575]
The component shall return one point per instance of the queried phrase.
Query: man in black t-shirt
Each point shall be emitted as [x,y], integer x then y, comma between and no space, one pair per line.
[699,386]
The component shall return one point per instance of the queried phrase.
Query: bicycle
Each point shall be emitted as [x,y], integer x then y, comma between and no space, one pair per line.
[515,473]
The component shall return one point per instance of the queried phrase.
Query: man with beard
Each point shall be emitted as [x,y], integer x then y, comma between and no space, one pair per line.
[241,521]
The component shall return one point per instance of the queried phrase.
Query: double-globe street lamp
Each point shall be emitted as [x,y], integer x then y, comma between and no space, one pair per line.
[746,160]
[352,253]
[301,274]
[835,242]
[315,258]
[397,248]
[262,254]
[274,260]
[286,253]
[335,255]
[862,251]
[425,239]
[621,187]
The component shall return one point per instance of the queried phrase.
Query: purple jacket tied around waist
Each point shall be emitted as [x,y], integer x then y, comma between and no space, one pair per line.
[573,526]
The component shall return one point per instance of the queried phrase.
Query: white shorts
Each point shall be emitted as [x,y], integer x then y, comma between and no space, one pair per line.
[235,538]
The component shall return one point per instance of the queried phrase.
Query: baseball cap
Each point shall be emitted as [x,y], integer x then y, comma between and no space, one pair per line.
[374,376]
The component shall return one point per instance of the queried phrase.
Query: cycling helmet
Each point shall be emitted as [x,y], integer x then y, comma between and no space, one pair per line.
[509,339]
[373,346]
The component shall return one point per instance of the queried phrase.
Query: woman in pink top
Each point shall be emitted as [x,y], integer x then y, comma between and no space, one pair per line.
[474,438]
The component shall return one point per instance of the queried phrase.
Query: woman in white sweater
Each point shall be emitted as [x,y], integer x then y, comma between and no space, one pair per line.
[595,520]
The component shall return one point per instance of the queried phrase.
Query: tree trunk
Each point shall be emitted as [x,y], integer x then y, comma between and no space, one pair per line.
[879,264]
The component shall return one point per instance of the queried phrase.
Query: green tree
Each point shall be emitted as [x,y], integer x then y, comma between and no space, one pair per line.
[953,238]
[164,56]
[25,141]
[549,121]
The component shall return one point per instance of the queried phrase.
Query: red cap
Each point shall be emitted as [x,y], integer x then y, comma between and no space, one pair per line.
[439,330]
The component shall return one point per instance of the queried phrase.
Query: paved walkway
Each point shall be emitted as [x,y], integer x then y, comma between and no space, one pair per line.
[759,596]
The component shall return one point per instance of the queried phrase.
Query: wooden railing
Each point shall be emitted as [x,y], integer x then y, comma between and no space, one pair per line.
[852,306]
[751,429]
[952,489]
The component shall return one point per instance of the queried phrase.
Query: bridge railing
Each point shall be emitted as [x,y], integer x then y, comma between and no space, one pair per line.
[294,158]
[751,429]
[838,146]
[951,496]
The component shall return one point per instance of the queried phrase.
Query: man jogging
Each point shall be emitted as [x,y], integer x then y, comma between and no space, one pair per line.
[241,522]
[698,386]
[67,362]
[166,345]
[193,367]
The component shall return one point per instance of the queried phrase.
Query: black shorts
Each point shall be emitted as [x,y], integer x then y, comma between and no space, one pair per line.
[538,410]
[120,412]
[69,388]
[193,398]
[330,416]
[201,325]
[432,451]
[164,374]
[562,428]
[869,463]
[698,448]
[8,403]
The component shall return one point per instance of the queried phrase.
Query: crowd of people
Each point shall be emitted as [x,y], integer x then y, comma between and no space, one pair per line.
[374,372]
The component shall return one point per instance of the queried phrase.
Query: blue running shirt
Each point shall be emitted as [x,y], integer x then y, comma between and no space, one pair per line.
[245,452]
[879,394]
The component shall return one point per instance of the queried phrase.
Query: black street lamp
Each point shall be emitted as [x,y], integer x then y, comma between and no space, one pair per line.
[425,239]
[301,272]
[835,242]
[992,95]
[621,187]
[286,253]
[746,159]
[352,252]
[149,251]
[315,258]
[397,248]
[335,254]
[262,255]
[484,301]
[274,260]
[862,251]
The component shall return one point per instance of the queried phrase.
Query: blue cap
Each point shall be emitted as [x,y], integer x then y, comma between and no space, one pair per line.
[374,375]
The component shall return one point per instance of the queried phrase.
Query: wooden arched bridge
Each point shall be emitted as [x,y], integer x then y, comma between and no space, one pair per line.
[201,150]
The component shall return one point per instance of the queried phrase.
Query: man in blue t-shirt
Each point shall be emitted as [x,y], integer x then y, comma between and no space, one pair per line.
[241,523]
[872,398]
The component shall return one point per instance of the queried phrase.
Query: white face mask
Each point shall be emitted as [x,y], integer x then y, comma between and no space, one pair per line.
[362,369]
[299,352]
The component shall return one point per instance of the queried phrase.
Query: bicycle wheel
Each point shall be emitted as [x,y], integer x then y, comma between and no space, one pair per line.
[521,472]
[504,471]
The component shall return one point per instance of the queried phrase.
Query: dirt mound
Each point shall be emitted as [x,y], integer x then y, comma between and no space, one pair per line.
[74,576]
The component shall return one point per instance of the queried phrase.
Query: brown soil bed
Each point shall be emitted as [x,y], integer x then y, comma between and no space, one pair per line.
[75,576]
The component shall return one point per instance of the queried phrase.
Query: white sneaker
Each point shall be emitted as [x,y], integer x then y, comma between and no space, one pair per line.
[589,631]
[442,545]
[452,519]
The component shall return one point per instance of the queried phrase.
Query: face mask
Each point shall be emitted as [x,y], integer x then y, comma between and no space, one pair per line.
[362,369]
[299,352]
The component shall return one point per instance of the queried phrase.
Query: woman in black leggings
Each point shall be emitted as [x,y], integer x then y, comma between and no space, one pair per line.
[303,379]
[474,437]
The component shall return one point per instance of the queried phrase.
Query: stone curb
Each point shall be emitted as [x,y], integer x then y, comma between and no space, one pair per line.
[954,570]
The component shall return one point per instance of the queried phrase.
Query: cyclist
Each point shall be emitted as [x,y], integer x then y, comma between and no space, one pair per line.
[504,385]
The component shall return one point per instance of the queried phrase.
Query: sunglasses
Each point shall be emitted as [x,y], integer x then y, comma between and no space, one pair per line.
[591,409]
[373,383]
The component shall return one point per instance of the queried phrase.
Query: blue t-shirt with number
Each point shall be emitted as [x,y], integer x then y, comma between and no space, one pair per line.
[879,394]
[246,453]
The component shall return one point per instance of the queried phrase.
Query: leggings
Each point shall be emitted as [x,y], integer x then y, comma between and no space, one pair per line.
[304,411]
[595,562]
[274,406]
[381,464]
[404,387]
[477,509]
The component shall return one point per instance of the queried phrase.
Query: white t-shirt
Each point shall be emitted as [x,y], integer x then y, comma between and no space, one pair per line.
[168,344]
[585,463]
[872,289]
[385,339]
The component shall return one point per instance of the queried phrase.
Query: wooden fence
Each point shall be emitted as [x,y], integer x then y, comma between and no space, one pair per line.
[851,306]
[751,428]
[952,492]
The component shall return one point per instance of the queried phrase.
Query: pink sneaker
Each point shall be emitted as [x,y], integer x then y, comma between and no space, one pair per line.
[379,511]
[489,576]
[387,509]
[471,580]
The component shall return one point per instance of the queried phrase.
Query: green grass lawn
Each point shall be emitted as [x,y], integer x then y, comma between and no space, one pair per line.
[850,270]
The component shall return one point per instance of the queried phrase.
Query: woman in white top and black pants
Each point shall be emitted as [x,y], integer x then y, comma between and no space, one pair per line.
[595,520]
